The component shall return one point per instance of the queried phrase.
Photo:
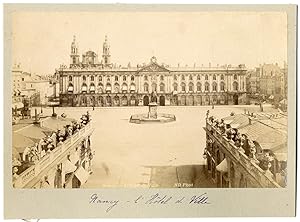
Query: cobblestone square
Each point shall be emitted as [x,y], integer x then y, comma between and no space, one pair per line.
[149,155]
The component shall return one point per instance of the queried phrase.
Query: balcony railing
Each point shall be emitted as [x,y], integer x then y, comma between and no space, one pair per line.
[253,169]
[30,173]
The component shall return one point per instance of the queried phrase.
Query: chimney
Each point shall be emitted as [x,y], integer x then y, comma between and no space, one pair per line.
[250,120]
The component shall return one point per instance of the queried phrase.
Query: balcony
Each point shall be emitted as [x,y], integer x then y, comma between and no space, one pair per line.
[53,157]
[252,168]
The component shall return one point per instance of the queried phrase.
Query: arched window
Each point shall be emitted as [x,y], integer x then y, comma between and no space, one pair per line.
[235,86]
[84,88]
[117,88]
[124,87]
[214,77]
[214,85]
[206,77]
[191,77]
[70,78]
[222,77]
[191,87]
[100,78]
[183,87]
[84,78]
[198,77]
[108,79]
[146,87]
[162,78]
[100,88]
[92,88]
[175,77]
[124,78]
[154,87]
[222,86]
[235,77]
[70,88]
[175,87]
[145,78]
[198,87]
[162,87]
[182,77]
[92,78]
[206,86]
[116,78]
[108,87]
[132,78]
[132,87]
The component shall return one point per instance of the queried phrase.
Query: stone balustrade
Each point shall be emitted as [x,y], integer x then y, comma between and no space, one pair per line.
[48,159]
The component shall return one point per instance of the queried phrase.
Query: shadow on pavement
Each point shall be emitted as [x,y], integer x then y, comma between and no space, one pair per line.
[182,176]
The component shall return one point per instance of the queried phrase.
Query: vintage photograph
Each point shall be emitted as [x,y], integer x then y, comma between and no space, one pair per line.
[149,99]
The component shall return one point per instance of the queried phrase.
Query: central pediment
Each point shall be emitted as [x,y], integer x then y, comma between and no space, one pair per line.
[153,67]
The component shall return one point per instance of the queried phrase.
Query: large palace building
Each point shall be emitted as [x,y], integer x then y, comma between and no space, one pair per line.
[91,82]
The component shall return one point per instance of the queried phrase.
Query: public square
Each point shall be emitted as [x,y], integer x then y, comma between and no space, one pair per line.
[149,155]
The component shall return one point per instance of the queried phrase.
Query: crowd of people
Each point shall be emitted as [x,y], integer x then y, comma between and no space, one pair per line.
[264,158]
[31,154]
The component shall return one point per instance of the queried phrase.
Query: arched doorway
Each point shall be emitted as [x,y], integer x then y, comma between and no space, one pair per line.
[183,100]
[108,101]
[124,101]
[175,100]
[132,100]
[214,99]
[206,100]
[146,100]
[235,99]
[116,101]
[83,101]
[198,100]
[190,100]
[162,101]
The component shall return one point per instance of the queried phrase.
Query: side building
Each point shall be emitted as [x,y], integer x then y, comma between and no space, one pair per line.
[53,152]
[247,150]
[91,82]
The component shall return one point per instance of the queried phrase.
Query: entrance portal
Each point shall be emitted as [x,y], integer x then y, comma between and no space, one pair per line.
[146,101]
[162,101]
[235,99]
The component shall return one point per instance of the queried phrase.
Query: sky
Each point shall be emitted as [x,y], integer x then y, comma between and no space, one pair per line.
[41,41]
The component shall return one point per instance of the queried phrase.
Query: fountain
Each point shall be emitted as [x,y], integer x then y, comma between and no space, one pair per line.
[152,116]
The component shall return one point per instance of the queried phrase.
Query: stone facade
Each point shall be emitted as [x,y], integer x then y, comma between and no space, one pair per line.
[93,83]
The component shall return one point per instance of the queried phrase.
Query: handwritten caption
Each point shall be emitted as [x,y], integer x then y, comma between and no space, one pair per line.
[151,200]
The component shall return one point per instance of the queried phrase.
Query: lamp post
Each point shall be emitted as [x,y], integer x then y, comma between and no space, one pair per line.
[53,112]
